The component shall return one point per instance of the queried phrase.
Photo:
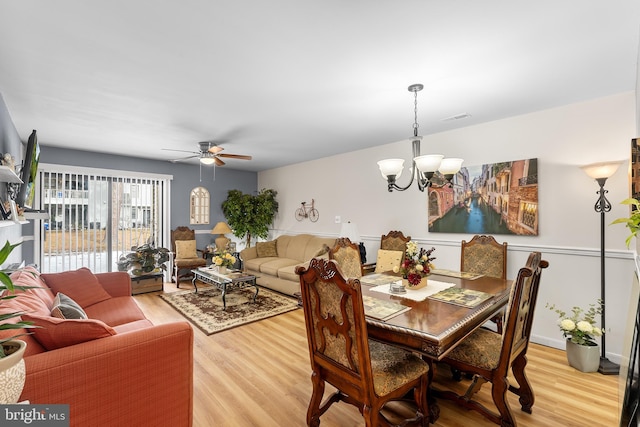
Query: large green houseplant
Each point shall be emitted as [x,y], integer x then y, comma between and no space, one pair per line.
[250,215]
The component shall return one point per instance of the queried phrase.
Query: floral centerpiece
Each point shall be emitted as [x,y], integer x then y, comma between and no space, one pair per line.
[416,265]
[224,259]
[580,326]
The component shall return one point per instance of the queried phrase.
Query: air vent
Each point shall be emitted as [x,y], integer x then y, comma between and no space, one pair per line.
[457,117]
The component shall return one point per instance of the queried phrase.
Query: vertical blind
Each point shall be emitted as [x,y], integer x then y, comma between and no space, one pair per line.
[97,216]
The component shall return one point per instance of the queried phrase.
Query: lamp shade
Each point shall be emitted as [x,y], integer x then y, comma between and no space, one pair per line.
[429,162]
[450,166]
[207,160]
[602,169]
[391,167]
[350,230]
[221,228]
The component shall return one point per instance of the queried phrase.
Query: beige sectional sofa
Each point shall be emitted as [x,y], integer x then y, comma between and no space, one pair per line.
[274,262]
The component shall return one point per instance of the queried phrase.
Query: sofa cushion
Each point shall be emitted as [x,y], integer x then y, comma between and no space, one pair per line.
[29,276]
[81,285]
[271,267]
[186,249]
[289,272]
[255,263]
[66,308]
[265,249]
[55,333]
[297,246]
[116,311]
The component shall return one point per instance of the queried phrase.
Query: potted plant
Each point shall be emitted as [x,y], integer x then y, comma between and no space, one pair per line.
[223,261]
[145,259]
[416,266]
[12,369]
[632,221]
[580,330]
[250,215]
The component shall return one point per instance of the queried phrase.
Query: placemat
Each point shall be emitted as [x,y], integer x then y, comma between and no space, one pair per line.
[433,287]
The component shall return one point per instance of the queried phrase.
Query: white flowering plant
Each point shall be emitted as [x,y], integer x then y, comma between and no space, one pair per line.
[224,259]
[580,325]
[416,265]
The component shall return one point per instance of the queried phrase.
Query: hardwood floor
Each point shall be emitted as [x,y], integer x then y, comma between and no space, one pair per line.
[258,375]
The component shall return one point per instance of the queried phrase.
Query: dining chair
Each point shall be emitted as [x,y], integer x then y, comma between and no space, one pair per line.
[484,255]
[347,256]
[366,373]
[489,356]
[185,254]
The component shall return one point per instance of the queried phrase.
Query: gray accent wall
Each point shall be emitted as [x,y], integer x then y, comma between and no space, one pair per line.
[185,178]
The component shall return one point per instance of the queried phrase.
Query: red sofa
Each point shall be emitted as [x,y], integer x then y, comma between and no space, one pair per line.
[115,368]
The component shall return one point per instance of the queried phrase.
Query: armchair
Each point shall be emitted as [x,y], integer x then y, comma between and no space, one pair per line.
[185,254]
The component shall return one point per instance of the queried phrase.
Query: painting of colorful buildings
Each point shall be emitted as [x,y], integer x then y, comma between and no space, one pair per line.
[497,198]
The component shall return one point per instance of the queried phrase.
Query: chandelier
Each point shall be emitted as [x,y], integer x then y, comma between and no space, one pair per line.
[423,167]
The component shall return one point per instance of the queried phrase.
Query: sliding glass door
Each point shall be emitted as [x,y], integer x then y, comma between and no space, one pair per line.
[97,216]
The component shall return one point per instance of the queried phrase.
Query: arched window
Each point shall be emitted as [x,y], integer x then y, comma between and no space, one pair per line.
[199,206]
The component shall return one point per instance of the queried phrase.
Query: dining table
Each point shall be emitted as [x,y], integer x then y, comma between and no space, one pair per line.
[433,326]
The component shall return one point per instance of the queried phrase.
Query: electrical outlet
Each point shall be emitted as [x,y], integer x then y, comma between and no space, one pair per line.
[338,220]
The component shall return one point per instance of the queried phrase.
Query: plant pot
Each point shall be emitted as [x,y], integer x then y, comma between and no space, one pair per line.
[585,358]
[12,371]
[222,270]
[422,284]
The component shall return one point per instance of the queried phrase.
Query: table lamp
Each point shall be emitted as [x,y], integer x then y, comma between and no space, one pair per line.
[221,228]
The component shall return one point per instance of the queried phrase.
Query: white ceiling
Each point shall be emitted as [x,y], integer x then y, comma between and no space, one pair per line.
[292,80]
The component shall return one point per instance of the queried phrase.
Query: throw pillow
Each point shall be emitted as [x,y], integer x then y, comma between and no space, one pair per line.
[55,333]
[66,308]
[266,249]
[80,285]
[387,260]
[186,249]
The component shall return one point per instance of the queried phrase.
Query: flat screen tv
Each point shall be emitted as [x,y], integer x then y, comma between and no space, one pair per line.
[29,173]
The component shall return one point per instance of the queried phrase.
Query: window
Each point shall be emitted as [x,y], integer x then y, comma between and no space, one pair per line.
[96,216]
[199,206]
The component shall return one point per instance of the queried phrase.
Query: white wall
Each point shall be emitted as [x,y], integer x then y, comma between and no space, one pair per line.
[350,185]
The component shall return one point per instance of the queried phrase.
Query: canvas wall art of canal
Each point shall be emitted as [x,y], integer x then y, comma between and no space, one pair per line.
[496,198]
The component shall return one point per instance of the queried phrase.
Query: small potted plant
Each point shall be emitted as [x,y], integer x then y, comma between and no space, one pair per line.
[580,330]
[12,369]
[223,261]
[145,259]
[416,266]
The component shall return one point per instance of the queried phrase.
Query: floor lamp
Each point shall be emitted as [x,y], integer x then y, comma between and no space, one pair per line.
[600,172]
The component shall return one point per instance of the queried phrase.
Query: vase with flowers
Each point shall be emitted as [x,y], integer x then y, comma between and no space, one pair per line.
[580,330]
[416,266]
[223,260]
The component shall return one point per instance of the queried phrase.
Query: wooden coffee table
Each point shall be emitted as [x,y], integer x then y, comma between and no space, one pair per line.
[224,282]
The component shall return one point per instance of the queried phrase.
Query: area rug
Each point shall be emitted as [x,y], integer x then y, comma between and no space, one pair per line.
[204,308]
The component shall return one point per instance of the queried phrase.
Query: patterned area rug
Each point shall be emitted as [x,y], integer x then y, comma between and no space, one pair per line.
[204,308]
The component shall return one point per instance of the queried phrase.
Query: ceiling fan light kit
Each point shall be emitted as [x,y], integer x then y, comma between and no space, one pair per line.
[424,166]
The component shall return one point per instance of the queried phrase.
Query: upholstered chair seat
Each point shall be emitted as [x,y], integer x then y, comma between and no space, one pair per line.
[185,254]
[481,348]
[393,367]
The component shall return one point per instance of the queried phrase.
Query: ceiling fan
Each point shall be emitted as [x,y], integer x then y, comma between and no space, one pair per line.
[209,154]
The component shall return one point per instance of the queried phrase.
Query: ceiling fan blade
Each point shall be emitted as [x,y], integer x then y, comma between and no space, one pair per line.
[183,158]
[235,156]
[218,162]
[215,149]
[182,151]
